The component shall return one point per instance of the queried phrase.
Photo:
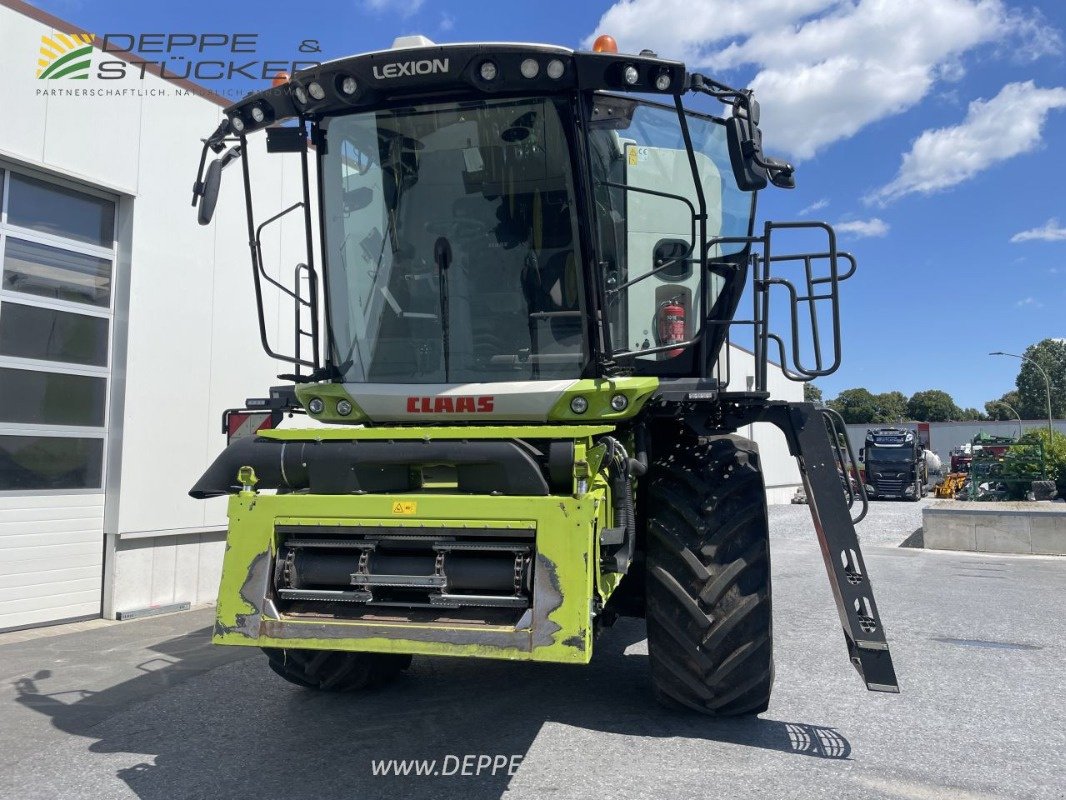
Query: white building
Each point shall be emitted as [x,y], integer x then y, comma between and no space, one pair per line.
[125,330]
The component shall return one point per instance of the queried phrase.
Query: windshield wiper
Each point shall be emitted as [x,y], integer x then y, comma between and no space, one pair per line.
[442,257]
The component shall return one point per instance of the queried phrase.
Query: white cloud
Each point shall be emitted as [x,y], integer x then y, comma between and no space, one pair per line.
[862,228]
[994,130]
[1029,302]
[827,68]
[817,205]
[447,22]
[1052,231]
[406,8]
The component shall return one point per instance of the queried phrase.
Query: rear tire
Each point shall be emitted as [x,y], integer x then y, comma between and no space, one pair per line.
[708,579]
[335,671]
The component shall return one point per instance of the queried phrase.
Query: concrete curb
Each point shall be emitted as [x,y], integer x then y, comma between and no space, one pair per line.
[1026,528]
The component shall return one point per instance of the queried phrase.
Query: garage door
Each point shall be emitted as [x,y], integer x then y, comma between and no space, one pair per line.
[57,250]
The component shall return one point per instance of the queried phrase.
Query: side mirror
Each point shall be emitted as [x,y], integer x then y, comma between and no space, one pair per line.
[782,174]
[752,169]
[209,196]
[745,141]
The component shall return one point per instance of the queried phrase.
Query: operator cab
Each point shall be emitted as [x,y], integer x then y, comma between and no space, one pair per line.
[500,213]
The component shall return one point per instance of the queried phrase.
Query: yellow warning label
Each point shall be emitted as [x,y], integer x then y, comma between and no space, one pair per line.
[405,508]
[631,153]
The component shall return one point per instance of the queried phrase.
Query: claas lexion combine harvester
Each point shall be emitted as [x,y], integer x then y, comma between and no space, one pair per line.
[531,261]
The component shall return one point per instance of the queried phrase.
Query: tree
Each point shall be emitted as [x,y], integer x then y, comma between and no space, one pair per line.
[1032,390]
[969,414]
[932,405]
[998,409]
[891,407]
[811,393]
[855,405]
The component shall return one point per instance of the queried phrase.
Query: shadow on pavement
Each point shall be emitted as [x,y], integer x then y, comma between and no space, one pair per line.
[219,727]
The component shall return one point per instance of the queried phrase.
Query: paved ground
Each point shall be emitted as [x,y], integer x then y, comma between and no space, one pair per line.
[149,709]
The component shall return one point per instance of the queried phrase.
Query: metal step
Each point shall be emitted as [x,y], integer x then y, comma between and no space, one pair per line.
[805,428]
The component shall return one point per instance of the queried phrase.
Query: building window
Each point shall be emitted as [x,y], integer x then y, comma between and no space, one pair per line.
[57,251]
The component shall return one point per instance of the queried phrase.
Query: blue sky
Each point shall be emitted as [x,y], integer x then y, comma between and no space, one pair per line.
[931,132]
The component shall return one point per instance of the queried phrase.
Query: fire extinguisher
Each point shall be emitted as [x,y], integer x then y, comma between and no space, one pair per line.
[670,324]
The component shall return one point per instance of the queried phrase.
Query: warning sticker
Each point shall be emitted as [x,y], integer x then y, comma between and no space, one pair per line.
[635,154]
[405,508]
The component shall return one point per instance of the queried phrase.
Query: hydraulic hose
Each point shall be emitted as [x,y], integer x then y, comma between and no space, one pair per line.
[619,475]
[638,466]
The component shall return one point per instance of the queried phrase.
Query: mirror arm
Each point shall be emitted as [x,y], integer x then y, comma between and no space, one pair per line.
[232,154]
[771,165]
[216,142]
[706,85]
[198,184]
[745,106]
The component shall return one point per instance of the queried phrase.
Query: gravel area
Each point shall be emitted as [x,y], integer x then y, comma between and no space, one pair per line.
[889,522]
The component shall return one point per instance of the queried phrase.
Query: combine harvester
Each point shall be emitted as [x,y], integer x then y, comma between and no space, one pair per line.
[531,260]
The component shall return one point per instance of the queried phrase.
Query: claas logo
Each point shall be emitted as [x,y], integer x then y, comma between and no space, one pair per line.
[65,55]
[450,405]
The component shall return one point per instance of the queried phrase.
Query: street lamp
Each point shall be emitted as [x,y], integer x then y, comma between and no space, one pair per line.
[1010,408]
[1047,385]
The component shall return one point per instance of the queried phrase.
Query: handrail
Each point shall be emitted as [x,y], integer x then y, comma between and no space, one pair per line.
[846,461]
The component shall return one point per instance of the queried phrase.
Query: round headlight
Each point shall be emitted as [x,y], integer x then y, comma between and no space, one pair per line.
[237,124]
[530,68]
[258,114]
[619,402]
[315,405]
[344,408]
[579,405]
[555,69]
[317,91]
[301,95]
[630,75]
[662,83]
[488,71]
[348,85]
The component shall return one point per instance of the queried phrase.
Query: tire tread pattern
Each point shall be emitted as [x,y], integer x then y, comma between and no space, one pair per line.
[335,670]
[708,588]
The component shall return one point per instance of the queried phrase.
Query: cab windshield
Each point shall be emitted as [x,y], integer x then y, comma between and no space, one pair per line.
[889,454]
[451,244]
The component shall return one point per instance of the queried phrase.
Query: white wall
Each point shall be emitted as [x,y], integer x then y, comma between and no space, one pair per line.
[779,467]
[190,327]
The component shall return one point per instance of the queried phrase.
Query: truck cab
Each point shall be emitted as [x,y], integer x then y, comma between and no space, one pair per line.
[895,464]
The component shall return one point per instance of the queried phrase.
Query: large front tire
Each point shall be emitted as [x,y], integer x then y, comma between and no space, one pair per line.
[334,670]
[708,578]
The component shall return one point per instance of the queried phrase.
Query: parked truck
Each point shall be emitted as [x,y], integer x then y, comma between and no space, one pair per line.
[895,464]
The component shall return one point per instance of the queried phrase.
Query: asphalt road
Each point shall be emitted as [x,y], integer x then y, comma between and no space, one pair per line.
[149,709]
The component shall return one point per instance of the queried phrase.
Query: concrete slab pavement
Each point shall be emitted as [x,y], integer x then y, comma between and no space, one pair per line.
[150,709]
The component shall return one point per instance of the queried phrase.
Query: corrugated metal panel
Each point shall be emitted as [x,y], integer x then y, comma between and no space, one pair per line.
[51,558]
